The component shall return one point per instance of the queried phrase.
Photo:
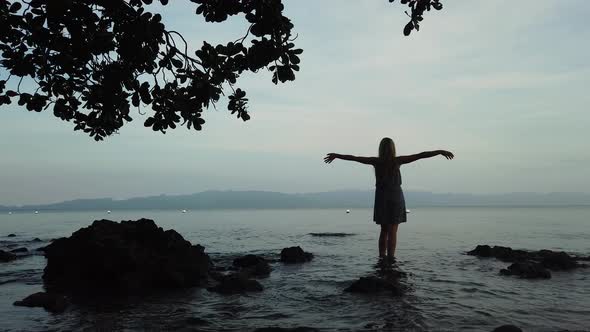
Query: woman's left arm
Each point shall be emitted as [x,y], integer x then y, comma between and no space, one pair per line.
[422,155]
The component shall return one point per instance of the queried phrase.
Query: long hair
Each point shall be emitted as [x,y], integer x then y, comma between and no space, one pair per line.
[387,150]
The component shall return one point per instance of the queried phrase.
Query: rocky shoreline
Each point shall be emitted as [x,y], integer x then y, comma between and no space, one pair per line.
[138,257]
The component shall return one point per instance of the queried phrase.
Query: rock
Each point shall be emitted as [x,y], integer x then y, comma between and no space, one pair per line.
[331,234]
[252,265]
[51,302]
[369,285]
[507,328]
[236,284]
[196,321]
[6,256]
[557,260]
[295,255]
[11,235]
[19,250]
[527,270]
[36,239]
[121,258]
[282,329]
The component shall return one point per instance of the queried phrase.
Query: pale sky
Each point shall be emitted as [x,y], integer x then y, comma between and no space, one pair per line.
[503,84]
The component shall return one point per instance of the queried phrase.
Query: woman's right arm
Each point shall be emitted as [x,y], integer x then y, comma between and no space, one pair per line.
[363,160]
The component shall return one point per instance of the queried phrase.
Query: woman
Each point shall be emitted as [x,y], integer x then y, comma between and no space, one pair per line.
[390,208]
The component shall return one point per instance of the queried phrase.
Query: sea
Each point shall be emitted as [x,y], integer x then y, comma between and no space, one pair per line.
[447,289]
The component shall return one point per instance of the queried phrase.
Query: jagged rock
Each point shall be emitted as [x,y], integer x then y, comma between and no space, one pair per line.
[283,329]
[373,284]
[295,255]
[126,257]
[36,239]
[11,235]
[527,270]
[236,284]
[507,328]
[535,262]
[253,265]
[17,250]
[6,256]
[51,302]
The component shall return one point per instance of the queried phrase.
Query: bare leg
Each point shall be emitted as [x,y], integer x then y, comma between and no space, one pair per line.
[391,240]
[382,240]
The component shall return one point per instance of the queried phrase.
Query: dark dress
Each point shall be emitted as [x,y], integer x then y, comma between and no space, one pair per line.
[390,206]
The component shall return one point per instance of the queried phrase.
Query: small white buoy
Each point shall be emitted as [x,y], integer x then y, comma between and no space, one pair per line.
[36,212]
[347,211]
[108,211]
[183,211]
[407,210]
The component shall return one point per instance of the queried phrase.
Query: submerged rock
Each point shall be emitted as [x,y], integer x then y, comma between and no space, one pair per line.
[18,250]
[36,239]
[371,285]
[236,284]
[507,328]
[51,302]
[252,265]
[6,256]
[331,234]
[11,235]
[527,270]
[295,255]
[126,257]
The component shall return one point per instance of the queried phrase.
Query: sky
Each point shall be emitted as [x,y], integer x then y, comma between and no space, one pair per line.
[502,84]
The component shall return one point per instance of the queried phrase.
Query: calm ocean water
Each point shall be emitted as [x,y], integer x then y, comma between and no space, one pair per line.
[450,291]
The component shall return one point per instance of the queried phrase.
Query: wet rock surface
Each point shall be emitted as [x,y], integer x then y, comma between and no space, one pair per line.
[530,264]
[295,255]
[252,265]
[507,328]
[51,302]
[19,250]
[6,256]
[126,257]
[527,270]
[374,284]
[236,283]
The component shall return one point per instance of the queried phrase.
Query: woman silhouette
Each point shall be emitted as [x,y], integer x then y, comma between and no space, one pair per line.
[390,208]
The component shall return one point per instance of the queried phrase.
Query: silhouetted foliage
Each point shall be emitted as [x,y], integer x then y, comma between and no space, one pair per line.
[93,60]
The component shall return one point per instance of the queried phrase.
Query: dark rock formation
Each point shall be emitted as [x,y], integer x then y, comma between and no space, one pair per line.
[331,234]
[369,285]
[6,256]
[252,265]
[36,239]
[11,235]
[283,329]
[127,257]
[507,328]
[235,284]
[529,264]
[527,270]
[18,250]
[295,255]
[51,302]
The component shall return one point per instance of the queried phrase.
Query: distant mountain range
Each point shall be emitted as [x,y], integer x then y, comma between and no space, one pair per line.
[277,200]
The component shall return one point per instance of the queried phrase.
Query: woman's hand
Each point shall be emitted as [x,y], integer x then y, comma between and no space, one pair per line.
[447,154]
[330,157]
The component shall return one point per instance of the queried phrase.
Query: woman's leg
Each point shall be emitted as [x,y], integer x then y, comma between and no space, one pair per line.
[382,240]
[391,239]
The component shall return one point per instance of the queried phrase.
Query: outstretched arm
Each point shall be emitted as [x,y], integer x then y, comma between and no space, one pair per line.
[422,155]
[363,160]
